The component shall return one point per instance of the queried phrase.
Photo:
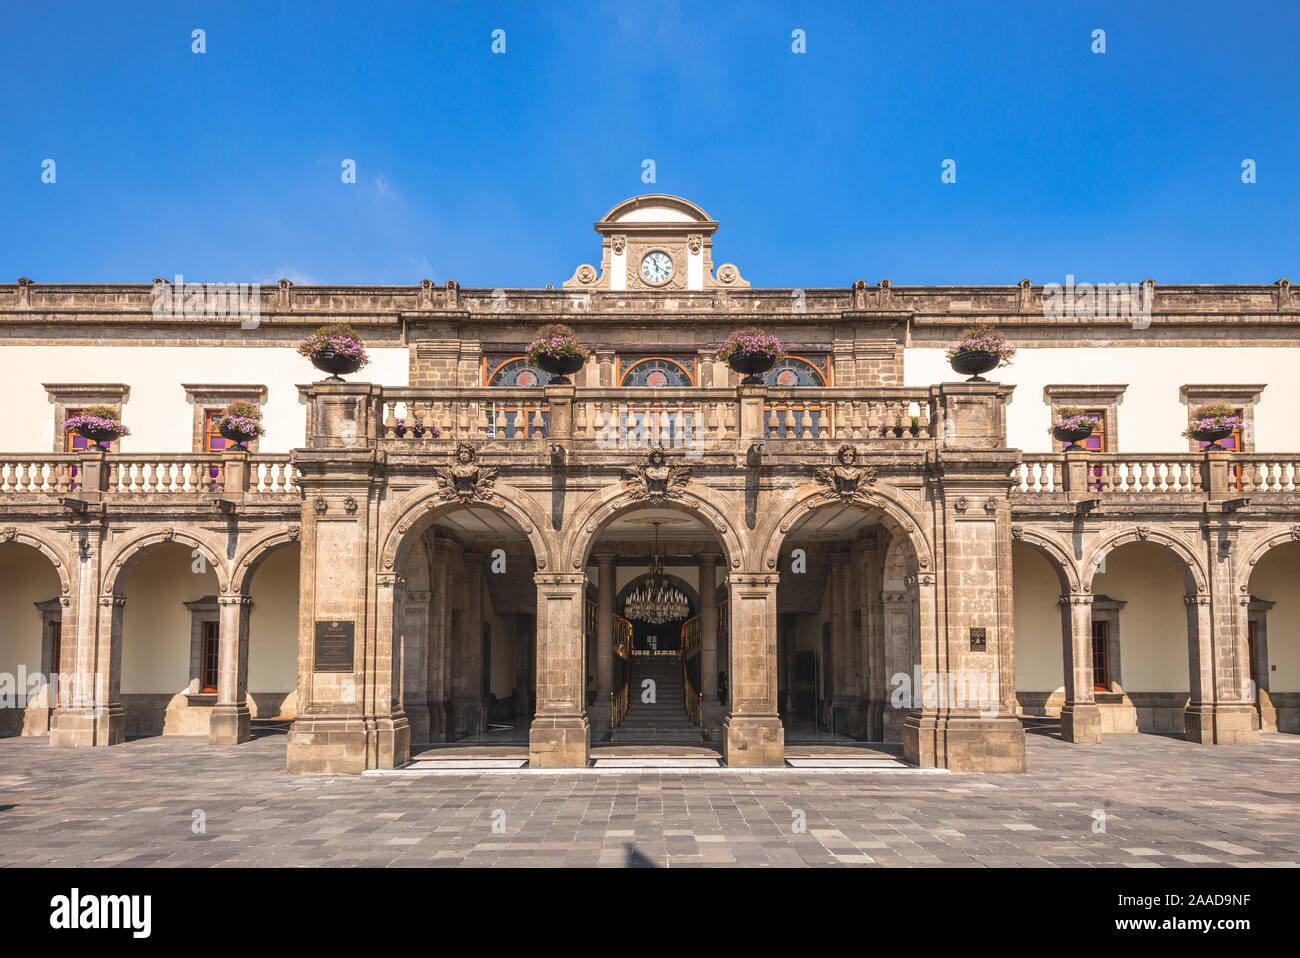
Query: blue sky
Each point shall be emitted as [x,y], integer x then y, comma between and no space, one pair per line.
[821,167]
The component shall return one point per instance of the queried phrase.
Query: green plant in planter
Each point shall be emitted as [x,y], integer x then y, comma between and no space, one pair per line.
[1213,417]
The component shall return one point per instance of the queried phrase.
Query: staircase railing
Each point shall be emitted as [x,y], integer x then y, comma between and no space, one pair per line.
[622,649]
[692,700]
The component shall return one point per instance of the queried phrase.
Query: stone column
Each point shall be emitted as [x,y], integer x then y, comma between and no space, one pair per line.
[752,732]
[441,724]
[895,639]
[605,588]
[713,709]
[836,693]
[230,716]
[90,709]
[854,624]
[1080,716]
[415,664]
[560,736]
[1218,711]
[467,655]
[875,680]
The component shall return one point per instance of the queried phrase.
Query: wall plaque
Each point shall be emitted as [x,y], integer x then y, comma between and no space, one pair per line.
[978,639]
[334,649]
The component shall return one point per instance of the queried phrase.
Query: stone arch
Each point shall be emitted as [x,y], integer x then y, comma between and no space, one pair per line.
[603,507]
[252,556]
[33,540]
[1263,544]
[800,502]
[125,558]
[424,508]
[1185,558]
[1056,554]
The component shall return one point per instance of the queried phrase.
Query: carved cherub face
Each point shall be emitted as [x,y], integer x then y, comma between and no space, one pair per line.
[464,454]
[848,456]
[656,458]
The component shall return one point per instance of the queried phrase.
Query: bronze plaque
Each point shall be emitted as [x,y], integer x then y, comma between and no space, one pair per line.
[978,639]
[335,645]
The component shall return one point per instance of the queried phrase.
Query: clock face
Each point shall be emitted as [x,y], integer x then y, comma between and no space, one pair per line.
[657,267]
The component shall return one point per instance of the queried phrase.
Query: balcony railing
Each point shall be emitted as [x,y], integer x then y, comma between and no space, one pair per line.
[1088,472]
[140,474]
[667,417]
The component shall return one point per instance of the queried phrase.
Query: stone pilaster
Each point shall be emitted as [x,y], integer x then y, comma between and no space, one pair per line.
[605,580]
[1219,708]
[441,717]
[347,719]
[415,663]
[753,735]
[1080,716]
[467,656]
[713,709]
[560,736]
[970,725]
[229,724]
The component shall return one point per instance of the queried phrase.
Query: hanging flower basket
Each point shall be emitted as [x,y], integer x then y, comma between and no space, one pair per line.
[241,423]
[751,352]
[335,349]
[556,351]
[1071,426]
[1213,422]
[98,424]
[979,349]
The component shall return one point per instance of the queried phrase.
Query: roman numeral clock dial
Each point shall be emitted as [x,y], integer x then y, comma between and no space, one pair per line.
[656,268]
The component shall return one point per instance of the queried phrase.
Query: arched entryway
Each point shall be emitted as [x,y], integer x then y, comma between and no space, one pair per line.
[1149,618]
[31,641]
[464,627]
[848,625]
[656,636]
[1272,607]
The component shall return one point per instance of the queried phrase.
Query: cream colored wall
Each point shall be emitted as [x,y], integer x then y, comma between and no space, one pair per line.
[1040,658]
[26,577]
[156,624]
[273,623]
[1153,626]
[1151,417]
[157,412]
[1277,579]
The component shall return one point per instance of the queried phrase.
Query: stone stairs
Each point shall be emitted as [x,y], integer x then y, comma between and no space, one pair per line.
[665,719]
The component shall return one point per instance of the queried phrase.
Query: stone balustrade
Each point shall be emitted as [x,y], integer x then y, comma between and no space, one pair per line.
[128,475]
[1223,473]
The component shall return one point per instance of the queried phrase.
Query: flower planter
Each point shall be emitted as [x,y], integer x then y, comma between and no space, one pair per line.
[1072,437]
[237,436]
[751,366]
[1212,436]
[100,437]
[974,363]
[559,367]
[335,363]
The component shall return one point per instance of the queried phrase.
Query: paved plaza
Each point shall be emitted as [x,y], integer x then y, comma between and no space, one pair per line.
[1162,801]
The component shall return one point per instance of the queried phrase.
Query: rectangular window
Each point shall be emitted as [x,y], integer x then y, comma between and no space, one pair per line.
[73,442]
[213,441]
[1100,672]
[211,656]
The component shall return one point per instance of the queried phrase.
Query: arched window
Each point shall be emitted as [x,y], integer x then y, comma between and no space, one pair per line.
[657,373]
[515,371]
[793,371]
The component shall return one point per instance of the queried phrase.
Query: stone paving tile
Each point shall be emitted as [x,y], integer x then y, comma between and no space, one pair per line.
[1164,803]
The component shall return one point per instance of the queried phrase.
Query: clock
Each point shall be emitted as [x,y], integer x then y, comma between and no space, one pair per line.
[656,268]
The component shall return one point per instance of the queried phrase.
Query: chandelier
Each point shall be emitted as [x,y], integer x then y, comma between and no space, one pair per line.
[656,601]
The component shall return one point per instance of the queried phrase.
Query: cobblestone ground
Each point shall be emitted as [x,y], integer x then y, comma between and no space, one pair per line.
[1165,802]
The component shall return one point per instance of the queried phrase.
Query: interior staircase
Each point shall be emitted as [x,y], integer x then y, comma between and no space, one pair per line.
[665,719]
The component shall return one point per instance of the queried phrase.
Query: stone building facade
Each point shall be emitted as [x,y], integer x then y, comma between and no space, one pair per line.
[866,555]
